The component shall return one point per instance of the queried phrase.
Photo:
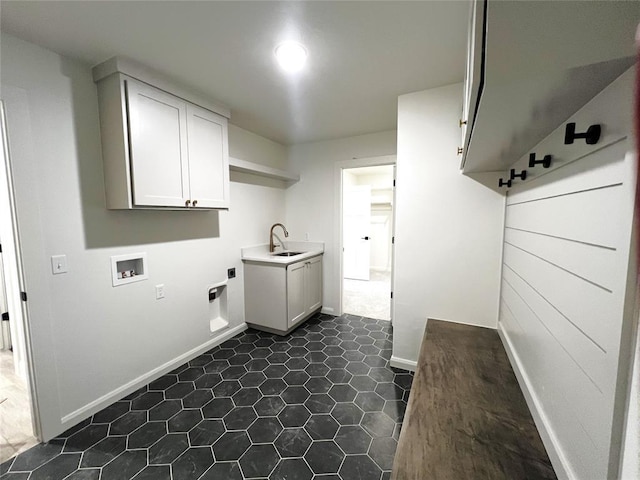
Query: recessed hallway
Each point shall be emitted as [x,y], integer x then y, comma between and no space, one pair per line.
[368,298]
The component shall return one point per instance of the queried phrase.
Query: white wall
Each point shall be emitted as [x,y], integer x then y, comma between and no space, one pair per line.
[448,226]
[247,145]
[92,339]
[311,204]
[566,301]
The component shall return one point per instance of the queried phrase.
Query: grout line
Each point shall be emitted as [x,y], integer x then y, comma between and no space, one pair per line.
[566,194]
[561,268]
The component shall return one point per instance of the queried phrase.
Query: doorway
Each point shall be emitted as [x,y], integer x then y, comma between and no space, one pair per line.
[367,240]
[17,432]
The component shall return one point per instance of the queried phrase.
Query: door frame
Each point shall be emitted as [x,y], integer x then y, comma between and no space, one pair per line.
[22,327]
[338,259]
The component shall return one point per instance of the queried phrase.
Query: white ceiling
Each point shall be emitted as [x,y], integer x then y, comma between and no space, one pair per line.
[362,54]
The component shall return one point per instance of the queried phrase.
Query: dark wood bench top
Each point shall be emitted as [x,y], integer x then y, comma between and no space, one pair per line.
[466,417]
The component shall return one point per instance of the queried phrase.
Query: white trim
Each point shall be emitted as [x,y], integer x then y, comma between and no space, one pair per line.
[403,363]
[20,322]
[471,324]
[558,459]
[150,76]
[327,311]
[77,416]
[337,175]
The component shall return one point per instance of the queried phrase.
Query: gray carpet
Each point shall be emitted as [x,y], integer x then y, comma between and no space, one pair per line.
[371,299]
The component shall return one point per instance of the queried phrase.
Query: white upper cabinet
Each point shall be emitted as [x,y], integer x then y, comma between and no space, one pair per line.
[472,82]
[208,158]
[531,65]
[159,149]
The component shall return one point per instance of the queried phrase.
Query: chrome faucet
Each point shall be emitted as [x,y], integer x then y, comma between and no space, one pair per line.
[272,246]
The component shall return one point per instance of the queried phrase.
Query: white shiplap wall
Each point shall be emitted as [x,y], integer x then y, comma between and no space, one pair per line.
[565,286]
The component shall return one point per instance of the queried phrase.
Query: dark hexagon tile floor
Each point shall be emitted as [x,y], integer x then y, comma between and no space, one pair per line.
[321,403]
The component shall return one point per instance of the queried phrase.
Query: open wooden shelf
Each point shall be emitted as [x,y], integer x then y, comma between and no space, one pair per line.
[237,165]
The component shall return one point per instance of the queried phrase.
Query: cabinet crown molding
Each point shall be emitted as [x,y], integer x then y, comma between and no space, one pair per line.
[148,75]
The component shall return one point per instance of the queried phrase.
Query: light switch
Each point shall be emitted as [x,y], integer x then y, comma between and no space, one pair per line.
[59,264]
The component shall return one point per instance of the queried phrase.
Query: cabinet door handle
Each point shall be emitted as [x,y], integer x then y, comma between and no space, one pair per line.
[195,202]
[187,203]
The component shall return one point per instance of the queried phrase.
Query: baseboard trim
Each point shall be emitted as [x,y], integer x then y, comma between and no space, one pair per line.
[490,327]
[403,363]
[549,439]
[327,311]
[82,413]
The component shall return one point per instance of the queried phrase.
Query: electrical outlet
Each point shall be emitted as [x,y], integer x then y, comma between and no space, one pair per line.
[231,273]
[59,264]
[159,291]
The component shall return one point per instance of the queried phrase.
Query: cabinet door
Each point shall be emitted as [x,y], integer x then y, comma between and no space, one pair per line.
[296,307]
[208,158]
[473,79]
[158,146]
[313,284]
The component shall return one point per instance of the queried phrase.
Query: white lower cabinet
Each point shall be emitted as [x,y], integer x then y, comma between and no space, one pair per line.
[279,297]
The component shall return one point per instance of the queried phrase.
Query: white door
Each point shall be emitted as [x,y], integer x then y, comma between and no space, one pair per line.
[208,158]
[296,308]
[313,284]
[356,231]
[158,144]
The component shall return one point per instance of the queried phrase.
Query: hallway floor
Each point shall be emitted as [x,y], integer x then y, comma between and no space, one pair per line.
[370,298]
[16,433]
[321,403]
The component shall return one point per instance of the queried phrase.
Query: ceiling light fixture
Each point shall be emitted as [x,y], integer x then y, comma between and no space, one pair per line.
[291,56]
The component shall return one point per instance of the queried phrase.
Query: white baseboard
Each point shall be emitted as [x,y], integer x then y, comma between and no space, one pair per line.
[380,269]
[80,414]
[491,327]
[552,445]
[403,363]
[327,310]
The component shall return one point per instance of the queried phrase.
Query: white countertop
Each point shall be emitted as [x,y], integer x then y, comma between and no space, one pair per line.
[260,253]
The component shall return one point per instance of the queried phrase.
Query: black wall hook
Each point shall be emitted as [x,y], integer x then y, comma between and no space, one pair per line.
[545,162]
[522,175]
[592,135]
[502,183]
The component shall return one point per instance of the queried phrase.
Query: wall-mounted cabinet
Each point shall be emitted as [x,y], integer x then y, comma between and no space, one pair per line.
[531,65]
[160,150]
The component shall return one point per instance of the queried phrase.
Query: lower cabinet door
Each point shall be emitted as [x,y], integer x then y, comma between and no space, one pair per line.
[313,284]
[296,310]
